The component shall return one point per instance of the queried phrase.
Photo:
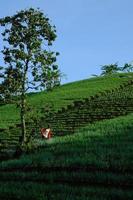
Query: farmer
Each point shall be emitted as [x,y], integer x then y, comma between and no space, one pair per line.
[46,133]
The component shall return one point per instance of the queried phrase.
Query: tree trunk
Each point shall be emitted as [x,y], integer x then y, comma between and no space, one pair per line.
[23,125]
[23,111]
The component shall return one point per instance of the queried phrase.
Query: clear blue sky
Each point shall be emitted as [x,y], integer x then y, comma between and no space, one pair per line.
[90,33]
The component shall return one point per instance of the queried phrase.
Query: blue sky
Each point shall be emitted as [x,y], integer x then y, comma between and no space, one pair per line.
[90,33]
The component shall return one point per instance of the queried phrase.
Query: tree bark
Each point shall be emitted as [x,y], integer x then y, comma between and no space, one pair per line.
[23,110]
[23,125]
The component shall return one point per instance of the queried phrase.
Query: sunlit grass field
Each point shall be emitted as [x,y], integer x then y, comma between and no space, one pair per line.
[94,163]
[63,96]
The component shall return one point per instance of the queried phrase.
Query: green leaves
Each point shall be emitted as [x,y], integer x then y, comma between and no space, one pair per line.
[1,67]
[55,67]
[30,63]
[11,83]
[114,68]
[110,69]
[127,67]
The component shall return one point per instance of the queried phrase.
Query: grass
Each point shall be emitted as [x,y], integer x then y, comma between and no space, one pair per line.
[39,191]
[62,96]
[94,163]
[103,106]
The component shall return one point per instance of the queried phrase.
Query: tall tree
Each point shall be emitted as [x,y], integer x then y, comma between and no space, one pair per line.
[28,35]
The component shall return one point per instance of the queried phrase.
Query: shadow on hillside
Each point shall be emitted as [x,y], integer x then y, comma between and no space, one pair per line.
[107,152]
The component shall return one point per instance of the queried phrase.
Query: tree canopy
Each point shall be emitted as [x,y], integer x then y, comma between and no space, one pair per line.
[109,69]
[128,67]
[29,62]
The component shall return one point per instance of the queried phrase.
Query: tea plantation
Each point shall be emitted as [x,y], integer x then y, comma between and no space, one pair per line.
[90,155]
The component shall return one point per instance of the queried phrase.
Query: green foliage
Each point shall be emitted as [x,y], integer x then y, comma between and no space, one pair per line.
[11,83]
[26,33]
[127,67]
[114,68]
[109,69]
[29,35]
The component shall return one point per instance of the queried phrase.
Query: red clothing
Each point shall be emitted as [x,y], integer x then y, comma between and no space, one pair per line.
[46,133]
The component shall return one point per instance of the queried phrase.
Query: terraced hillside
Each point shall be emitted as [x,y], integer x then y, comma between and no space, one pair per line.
[63,96]
[103,104]
[95,163]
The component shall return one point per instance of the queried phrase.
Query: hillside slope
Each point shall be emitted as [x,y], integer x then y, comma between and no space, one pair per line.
[104,105]
[93,164]
[63,96]
[85,108]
